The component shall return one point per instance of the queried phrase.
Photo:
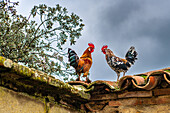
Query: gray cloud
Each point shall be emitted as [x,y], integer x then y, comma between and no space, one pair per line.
[114,16]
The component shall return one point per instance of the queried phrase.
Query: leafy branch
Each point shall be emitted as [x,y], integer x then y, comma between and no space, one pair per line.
[39,44]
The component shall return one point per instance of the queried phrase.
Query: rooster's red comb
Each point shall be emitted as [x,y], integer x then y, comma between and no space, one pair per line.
[91,45]
[104,47]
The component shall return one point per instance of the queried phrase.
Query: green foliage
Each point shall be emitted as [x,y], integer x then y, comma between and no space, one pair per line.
[39,44]
[168,70]
[144,76]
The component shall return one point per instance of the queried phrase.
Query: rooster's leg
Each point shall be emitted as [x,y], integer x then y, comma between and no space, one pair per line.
[78,79]
[118,75]
[87,80]
[124,73]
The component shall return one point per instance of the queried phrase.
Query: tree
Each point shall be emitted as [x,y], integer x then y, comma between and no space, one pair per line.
[40,44]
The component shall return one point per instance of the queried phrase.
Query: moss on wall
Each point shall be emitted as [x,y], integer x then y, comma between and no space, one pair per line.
[15,102]
[40,89]
[18,103]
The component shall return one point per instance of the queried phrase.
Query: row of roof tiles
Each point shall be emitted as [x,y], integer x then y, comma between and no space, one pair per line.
[143,81]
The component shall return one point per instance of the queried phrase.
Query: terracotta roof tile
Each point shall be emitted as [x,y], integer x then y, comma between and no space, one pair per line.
[110,84]
[79,83]
[126,81]
[150,79]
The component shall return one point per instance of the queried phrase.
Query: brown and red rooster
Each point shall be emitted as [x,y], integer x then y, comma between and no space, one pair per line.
[82,64]
[118,64]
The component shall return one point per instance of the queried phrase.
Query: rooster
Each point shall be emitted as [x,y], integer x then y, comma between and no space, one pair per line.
[118,64]
[82,64]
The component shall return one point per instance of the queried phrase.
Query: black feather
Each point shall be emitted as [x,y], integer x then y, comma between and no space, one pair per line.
[131,55]
[73,58]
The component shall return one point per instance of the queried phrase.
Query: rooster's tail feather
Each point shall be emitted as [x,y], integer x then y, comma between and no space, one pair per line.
[73,58]
[131,55]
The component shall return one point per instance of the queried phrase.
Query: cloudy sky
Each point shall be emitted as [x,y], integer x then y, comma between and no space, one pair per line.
[120,24]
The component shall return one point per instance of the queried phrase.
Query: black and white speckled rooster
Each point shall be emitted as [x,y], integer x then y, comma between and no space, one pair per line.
[118,64]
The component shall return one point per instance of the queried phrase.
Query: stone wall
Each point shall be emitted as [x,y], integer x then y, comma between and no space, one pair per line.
[15,102]
[163,108]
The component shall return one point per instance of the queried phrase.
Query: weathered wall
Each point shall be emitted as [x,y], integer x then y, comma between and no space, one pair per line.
[14,102]
[162,108]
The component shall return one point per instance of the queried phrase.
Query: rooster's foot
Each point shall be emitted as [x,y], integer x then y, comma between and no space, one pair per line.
[78,79]
[88,80]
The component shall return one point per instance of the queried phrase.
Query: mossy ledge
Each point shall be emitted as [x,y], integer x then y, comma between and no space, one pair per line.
[38,84]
